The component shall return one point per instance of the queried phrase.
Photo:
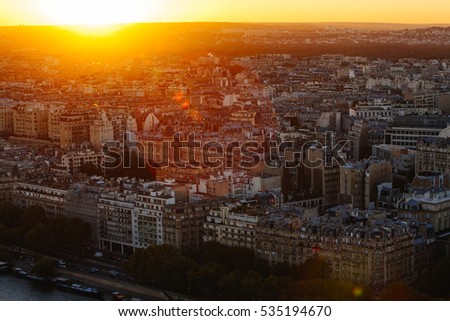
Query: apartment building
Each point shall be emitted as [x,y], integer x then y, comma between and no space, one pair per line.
[433,155]
[6,185]
[187,174]
[7,115]
[372,110]
[403,161]
[359,181]
[405,131]
[30,121]
[48,194]
[100,132]
[54,114]
[183,222]
[74,129]
[231,225]
[375,253]
[429,205]
[115,221]
[323,179]
[74,160]
[358,137]
[150,203]
[81,201]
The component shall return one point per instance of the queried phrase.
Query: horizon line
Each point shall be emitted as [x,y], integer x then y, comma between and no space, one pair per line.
[229,22]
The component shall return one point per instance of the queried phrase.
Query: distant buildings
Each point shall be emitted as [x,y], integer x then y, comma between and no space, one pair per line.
[30,121]
[7,115]
[405,131]
[431,205]
[323,180]
[377,109]
[66,112]
[402,161]
[444,103]
[100,132]
[358,137]
[74,129]
[433,155]
[359,181]
[74,160]
[54,123]
[428,100]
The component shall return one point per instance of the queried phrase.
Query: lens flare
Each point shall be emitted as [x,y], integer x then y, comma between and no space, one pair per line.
[357,292]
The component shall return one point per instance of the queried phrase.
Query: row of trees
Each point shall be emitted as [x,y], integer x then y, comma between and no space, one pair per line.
[219,272]
[244,259]
[33,229]
[166,267]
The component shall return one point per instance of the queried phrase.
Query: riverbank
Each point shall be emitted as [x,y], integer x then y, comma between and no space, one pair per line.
[79,269]
[18,289]
[111,285]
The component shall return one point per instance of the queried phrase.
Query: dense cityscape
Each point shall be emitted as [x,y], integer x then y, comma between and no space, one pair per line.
[270,173]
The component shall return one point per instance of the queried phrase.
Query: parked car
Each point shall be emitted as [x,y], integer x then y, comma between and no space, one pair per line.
[62,264]
[93,270]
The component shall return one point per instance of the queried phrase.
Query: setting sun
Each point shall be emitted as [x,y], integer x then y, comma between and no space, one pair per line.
[99,12]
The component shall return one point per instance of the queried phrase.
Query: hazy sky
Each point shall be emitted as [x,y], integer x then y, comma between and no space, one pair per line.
[13,12]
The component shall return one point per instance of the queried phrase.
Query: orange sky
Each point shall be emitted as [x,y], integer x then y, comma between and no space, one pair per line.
[13,12]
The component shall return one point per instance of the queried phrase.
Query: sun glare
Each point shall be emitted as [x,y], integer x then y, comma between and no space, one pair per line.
[97,16]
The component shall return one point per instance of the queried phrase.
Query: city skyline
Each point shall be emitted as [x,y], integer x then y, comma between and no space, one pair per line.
[99,12]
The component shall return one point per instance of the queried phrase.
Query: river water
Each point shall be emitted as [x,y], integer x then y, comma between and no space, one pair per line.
[15,289]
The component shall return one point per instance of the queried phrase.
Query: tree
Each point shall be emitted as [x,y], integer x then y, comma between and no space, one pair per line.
[400,291]
[45,267]
[441,278]
[14,236]
[272,287]
[323,290]
[32,216]
[38,238]
[230,285]
[135,266]
[69,230]
[314,268]
[232,257]
[3,230]
[56,226]
[176,274]
[76,231]
[10,215]
[204,280]
[162,265]
[252,284]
